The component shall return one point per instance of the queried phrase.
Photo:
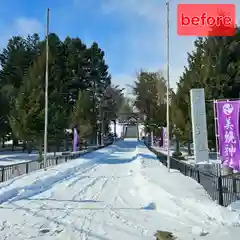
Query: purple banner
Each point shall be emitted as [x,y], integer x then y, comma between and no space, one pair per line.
[75,139]
[165,140]
[228,133]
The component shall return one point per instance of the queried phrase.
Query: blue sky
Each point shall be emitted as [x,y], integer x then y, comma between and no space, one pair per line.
[131,32]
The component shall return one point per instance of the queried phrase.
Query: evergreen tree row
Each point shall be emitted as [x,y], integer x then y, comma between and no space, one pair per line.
[80,91]
[214,65]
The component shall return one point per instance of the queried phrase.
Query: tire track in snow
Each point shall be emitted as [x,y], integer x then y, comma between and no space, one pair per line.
[98,181]
[79,177]
[85,228]
[108,208]
[124,202]
[79,193]
[125,221]
[117,215]
[105,209]
[86,187]
[85,233]
[40,186]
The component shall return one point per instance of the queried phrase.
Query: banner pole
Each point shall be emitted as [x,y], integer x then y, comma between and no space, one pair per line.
[216,128]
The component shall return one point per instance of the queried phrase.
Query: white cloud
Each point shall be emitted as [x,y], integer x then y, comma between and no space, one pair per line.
[123,80]
[141,8]
[25,26]
[20,26]
[146,35]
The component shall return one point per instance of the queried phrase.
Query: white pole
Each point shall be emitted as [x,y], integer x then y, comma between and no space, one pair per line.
[102,124]
[46,93]
[102,144]
[152,138]
[168,86]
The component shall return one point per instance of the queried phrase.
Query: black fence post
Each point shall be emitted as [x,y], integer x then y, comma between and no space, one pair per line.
[3,172]
[198,176]
[41,165]
[56,160]
[220,191]
[27,167]
[234,184]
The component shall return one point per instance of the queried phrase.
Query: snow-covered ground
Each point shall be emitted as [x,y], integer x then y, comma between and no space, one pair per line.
[213,166]
[9,158]
[14,158]
[119,192]
[191,159]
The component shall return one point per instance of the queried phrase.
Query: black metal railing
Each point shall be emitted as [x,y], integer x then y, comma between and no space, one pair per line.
[10,171]
[223,189]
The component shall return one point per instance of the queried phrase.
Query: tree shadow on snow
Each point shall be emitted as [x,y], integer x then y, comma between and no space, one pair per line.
[115,160]
[75,207]
[147,156]
[64,200]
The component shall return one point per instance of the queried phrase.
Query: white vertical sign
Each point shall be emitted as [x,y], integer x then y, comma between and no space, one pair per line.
[152,143]
[165,140]
[199,125]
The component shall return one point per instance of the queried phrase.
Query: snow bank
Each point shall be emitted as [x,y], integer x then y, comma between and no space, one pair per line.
[235,206]
[180,197]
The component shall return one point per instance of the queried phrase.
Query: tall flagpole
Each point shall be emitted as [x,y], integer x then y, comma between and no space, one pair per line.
[168,86]
[46,94]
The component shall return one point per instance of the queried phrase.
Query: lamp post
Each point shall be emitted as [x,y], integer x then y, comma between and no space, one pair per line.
[168,85]
[102,131]
[46,94]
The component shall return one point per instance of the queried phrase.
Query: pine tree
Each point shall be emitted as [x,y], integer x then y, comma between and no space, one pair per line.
[81,113]
[27,118]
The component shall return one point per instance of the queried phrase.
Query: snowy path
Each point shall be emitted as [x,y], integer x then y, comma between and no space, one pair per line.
[104,196]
